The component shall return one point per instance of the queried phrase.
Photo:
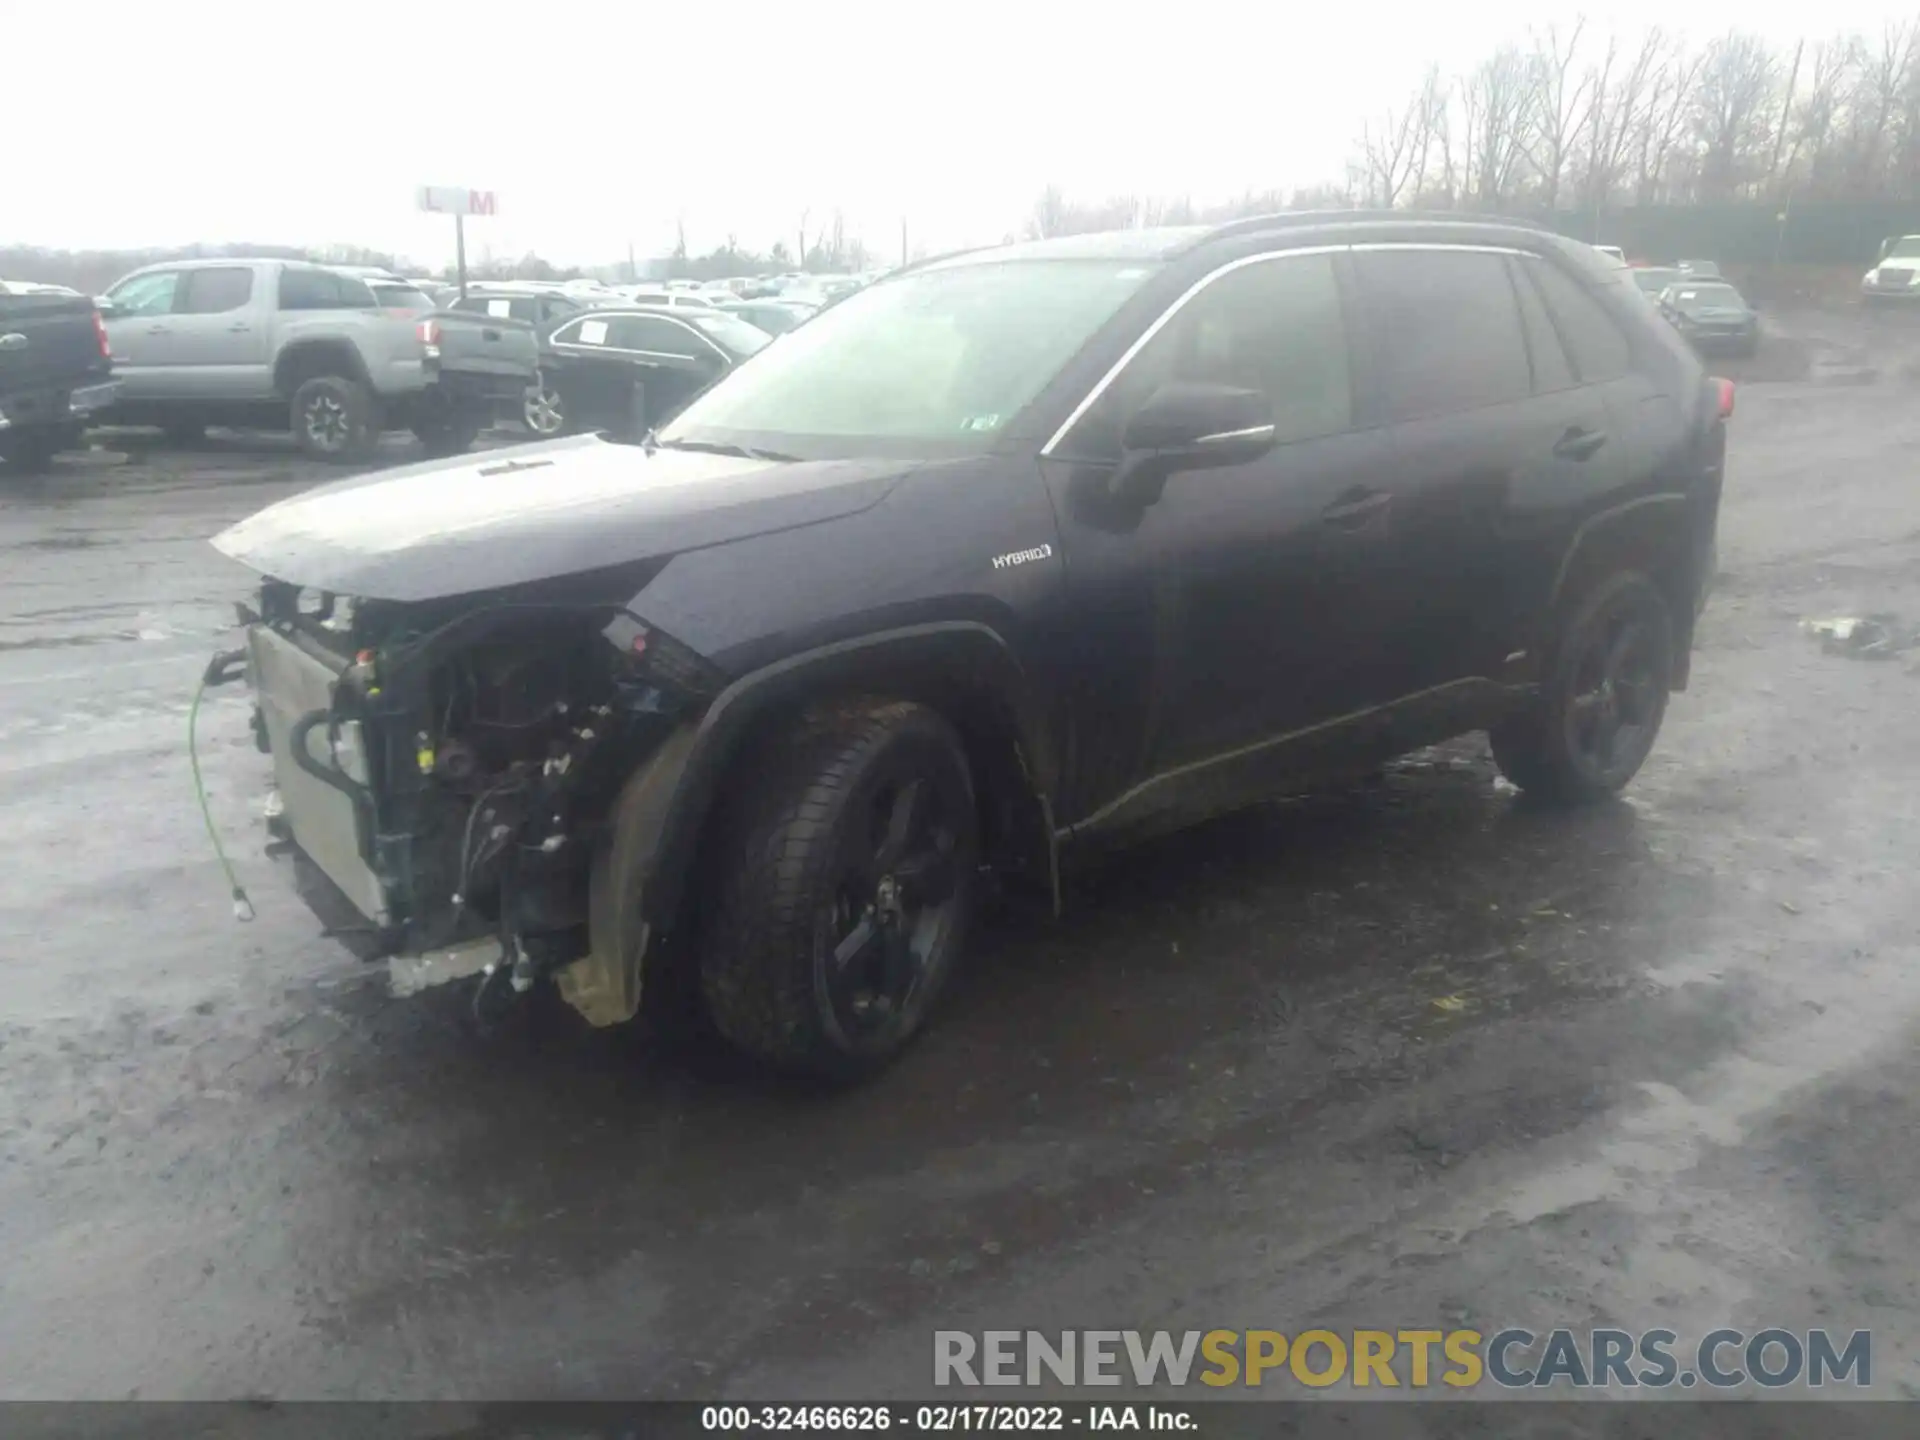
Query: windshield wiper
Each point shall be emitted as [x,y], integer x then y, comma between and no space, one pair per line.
[714,447]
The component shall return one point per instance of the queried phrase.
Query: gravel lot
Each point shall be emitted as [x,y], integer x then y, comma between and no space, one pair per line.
[1409,1055]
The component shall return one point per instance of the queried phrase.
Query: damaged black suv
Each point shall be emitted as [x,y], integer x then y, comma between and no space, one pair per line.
[1011,552]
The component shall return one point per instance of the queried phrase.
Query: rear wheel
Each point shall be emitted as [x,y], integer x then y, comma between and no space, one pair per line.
[841,888]
[29,452]
[544,411]
[333,419]
[447,435]
[1604,699]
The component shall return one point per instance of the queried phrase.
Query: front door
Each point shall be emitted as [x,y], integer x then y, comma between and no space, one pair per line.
[1215,618]
[140,333]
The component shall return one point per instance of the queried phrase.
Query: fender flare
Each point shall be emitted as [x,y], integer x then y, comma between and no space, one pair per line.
[1659,527]
[1597,528]
[661,813]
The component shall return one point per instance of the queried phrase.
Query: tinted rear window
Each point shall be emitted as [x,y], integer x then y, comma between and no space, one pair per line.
[1446,330]
[1550,368]
[323,290]
[1599,351]
[212,292]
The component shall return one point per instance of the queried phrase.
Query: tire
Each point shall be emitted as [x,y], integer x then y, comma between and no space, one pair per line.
[29,452]
[544,411]
[452,435]
[840,889]
[333,419]
[1608,675]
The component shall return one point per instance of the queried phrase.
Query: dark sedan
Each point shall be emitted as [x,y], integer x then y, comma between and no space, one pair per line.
[626,371]
[1713,316]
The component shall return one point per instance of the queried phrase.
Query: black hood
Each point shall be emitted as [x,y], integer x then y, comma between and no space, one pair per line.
[510,517]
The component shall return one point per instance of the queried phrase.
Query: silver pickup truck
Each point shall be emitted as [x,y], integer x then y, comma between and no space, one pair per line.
[287,345]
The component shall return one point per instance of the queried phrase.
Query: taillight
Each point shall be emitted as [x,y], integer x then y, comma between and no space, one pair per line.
[100,334]
[1725,388]
[429,332]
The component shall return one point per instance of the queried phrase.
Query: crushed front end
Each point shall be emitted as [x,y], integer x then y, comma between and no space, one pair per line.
[450,765]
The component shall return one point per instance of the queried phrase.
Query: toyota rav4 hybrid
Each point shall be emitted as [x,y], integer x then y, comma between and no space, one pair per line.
[1012,553]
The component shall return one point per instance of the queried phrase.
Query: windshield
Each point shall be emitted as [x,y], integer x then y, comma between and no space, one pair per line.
[947,355]
[730,332]
[1907,247]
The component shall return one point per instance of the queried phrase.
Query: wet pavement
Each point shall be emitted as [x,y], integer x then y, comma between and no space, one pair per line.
[1414,1054]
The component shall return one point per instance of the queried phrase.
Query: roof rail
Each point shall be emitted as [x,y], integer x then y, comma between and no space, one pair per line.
[1292,219]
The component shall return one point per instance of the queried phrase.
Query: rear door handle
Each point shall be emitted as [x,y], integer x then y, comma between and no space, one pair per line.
[241,328]
[1579,444]
[1356,509]
[156,329]
[489,334]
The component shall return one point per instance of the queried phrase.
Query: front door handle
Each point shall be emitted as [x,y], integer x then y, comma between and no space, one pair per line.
[1579,443]
[1356,509]
[241,328]
[156,329]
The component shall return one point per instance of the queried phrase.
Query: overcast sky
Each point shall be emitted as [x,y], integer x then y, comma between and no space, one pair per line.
[600,123]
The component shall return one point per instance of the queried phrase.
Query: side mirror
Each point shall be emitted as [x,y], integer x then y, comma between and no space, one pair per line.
[106,307]
[1190,426]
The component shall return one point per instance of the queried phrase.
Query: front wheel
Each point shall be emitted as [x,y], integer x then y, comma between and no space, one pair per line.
[1604,697]
[841,887]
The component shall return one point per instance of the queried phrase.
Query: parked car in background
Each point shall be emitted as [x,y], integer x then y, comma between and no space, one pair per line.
[1713,316]
[1653,279]
[776,317]
[626,371]
[56,372]
[679,298]
[545,308]
[283,344]
[1698,269]
[1613,253]
[748,709]
[1897,275]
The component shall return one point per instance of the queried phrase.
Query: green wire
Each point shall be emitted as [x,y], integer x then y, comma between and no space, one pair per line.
[242,906]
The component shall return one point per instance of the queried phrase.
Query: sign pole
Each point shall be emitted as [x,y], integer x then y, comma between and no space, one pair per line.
[460,250]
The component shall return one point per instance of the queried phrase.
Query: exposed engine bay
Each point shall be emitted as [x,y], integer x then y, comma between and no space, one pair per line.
[450,765]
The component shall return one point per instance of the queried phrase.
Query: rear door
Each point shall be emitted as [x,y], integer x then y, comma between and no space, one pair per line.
[1601,398]
[217,344]
[1490,427]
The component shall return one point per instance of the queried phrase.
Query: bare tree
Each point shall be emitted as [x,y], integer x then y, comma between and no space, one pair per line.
[1731,103]
[1386,153]
[1621,99]
[1049,214]
[1659,126]
[1494,102]
[1555,106]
